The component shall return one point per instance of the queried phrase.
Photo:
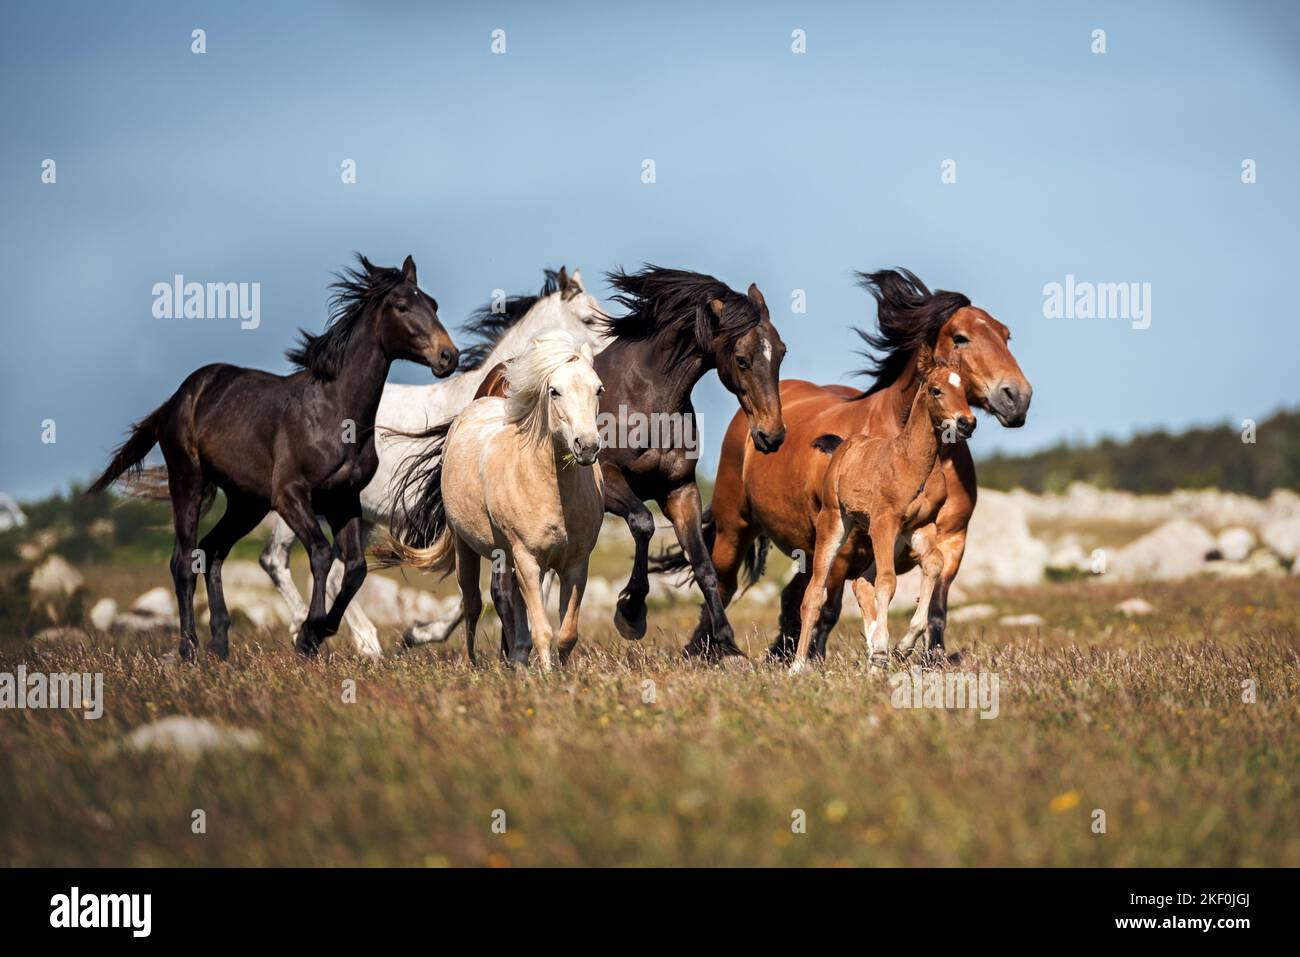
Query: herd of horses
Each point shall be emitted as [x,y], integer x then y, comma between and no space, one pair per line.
[505,460]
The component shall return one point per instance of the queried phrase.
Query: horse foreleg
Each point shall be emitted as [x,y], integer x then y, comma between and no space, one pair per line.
[295,508]
[572,584]
[185,481]
[682,506]
[832,530]
[350,543]
[884,534]
[952,547]
[930,560]
[528,577]
[275,562]
[630,612]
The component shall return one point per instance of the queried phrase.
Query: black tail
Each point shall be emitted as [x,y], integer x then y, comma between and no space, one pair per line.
[673,560]
[418,530]
[129,455]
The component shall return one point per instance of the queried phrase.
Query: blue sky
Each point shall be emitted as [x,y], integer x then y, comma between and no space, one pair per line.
[788,170]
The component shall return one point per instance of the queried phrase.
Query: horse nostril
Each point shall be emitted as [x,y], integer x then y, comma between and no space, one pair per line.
[1010,393]
[448,356]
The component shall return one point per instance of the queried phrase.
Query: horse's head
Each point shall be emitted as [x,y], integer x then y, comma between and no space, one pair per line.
[554,390]
[408,323]
[581,310]
[944,392]
[749,365]
[993,378]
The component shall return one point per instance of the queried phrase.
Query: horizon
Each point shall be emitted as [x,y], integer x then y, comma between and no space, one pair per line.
[1119,177]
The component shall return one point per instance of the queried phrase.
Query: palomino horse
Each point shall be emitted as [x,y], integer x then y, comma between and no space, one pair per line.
[875,485]
[301,444]
[679,325]
[517,476]
[501,332]
[775,498]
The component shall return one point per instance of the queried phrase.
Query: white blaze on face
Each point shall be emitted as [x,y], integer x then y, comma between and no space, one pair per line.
[954,379]
[767,351]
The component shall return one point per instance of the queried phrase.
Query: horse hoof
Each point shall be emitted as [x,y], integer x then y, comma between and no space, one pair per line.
[306,646]
[798,668]
[219,650]
[189,650]
[630,620]
[879,663]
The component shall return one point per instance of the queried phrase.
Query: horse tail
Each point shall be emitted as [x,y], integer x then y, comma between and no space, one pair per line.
[150,483]
[128,456]
[673,559]
[418,532]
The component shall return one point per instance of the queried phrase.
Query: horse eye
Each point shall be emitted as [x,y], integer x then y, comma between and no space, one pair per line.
[600,391]
[555,393]
[959,340]
[742,362]
[402,307]
[936,392]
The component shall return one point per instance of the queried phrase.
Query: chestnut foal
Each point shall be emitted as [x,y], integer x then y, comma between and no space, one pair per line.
[876,484]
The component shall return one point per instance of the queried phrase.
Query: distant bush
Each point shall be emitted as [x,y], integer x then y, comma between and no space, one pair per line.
[1157,462]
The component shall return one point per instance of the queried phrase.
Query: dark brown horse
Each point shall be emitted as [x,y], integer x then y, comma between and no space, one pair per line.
[776,498]
[677,327]
[301,444]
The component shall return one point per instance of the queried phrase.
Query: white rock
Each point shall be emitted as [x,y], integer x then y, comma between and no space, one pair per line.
[102,615]
[158,604]
[1134,607]
[189,737]
[1235,543]
[1176,549]
[380,597]
[999,548]
[54,578]
[1282,534]
[1021,621]
[970,613]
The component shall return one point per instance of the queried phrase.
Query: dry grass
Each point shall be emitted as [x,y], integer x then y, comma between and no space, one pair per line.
[1143,720]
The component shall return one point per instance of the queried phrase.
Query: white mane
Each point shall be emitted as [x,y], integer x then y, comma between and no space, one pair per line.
[528,377]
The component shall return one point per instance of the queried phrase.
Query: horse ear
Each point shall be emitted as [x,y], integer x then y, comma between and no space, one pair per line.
[924,359]
[756,297]
[587,354]
[408,269]
[367,265]
[576,280]
[563,279]
[703,327]
[717,307]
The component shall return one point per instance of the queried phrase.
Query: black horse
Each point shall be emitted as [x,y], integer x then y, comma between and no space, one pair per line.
[301,444]
[678,326]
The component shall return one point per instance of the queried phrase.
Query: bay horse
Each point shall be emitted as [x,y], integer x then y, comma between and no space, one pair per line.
[678,326]
[497,332]
[301,444]
[762,499]
[516,477]
[875,485]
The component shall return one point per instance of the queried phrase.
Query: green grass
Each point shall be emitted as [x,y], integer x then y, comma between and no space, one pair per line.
[1143,719]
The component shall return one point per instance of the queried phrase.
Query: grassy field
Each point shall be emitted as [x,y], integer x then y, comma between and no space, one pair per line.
[1143,719]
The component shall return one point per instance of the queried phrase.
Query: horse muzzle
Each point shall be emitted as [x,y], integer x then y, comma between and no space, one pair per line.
[444,361]
[767,442]
[1009,402]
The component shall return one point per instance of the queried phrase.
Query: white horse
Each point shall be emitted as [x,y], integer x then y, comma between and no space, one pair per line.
[517,477]
[563,304]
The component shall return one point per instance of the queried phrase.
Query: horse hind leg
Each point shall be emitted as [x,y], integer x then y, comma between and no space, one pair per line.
[241,517]
[185,481]
[467,568]
[275,562]
[931,564]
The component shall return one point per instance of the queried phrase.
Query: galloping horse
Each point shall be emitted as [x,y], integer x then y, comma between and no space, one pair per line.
[500,333]
[874,485]
[301,444]
[516,476]
[775,498]
[678,326]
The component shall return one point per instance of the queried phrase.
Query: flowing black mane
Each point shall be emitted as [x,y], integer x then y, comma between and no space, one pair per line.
[673,305]
[485,327]
[354,292]
[908,316]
